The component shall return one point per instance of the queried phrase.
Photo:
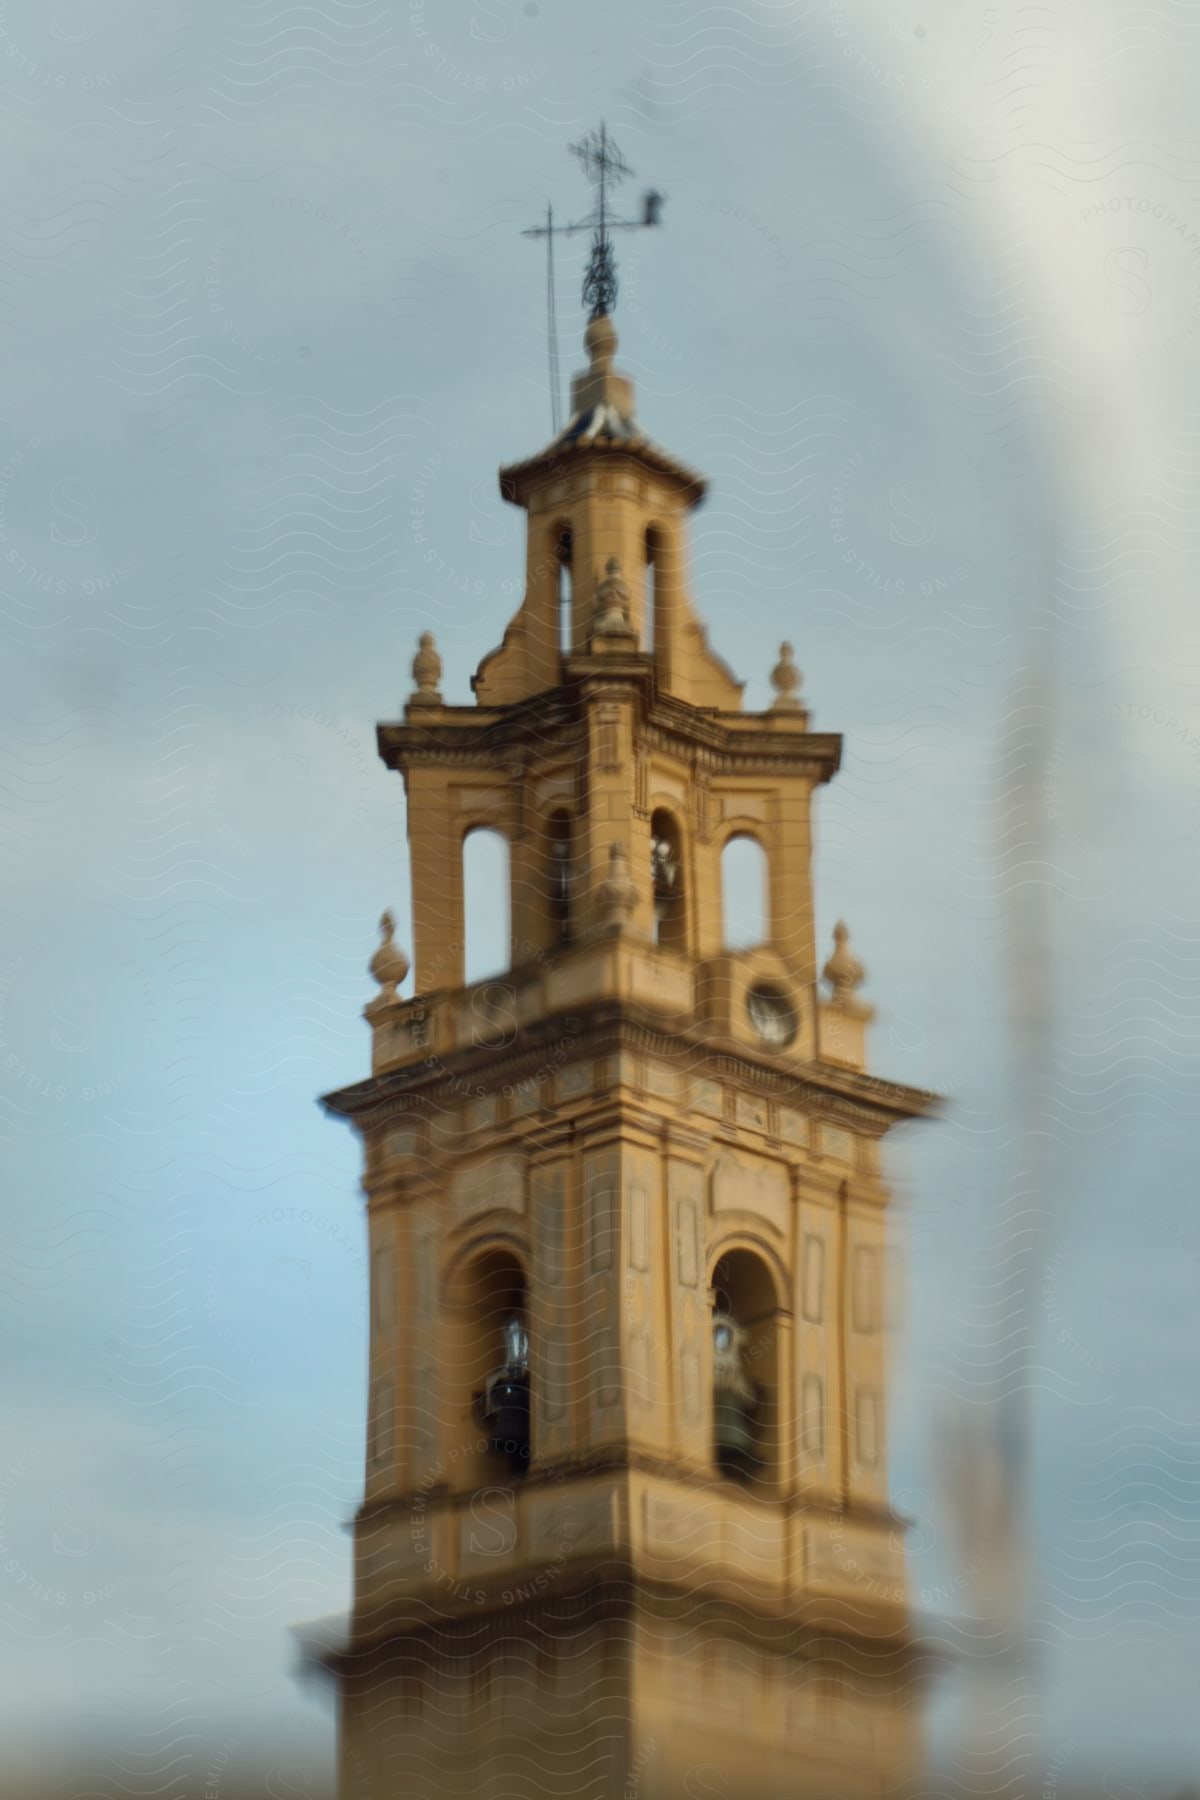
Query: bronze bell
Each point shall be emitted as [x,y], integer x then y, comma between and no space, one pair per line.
[735,1400]
[503,1406]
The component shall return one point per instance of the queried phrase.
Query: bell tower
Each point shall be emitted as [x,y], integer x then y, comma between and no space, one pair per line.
[625,1528]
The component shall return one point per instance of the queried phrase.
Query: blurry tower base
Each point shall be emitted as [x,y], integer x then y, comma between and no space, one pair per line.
[629,1687]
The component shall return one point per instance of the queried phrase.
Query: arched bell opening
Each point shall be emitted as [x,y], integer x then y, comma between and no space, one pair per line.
[746,1363]
[652,545]
[667,877]
[561,550]
[488,1372]
[559,877]
[744,893]
[486,900]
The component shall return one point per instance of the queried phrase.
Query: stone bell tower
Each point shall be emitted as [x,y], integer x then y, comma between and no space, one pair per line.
[626,1526]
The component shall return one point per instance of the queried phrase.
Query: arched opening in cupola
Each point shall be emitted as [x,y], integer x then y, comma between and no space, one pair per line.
[561,549]
[486,1373]
[747,1426]
[668,879]
[653,549]
[486,901]
[744,893]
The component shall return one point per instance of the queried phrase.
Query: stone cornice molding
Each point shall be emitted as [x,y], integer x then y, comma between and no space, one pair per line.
[828,1091]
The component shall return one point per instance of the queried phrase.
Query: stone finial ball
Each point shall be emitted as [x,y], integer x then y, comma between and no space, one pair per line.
[600,340]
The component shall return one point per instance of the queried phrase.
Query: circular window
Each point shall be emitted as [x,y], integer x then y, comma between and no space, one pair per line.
[772,1015]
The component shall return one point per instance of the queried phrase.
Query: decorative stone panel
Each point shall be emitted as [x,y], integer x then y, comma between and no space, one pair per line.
[753,1185]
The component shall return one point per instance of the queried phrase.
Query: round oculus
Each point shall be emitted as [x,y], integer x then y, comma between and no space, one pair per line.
[772,1015]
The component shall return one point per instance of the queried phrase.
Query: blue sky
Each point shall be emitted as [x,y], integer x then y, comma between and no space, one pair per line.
[925,308]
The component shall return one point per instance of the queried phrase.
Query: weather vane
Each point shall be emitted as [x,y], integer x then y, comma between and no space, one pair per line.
[606,168]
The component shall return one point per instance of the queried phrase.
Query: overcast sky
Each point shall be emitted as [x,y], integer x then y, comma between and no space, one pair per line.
[926,308]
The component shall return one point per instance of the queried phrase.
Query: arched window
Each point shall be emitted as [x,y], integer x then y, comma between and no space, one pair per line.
[486,926]
[746,1423]
[559,875]
[562,558]
[653,541]
[743,893]
[487,1368]
[667,874]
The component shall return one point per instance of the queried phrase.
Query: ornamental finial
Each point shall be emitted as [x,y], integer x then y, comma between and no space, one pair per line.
[786,679]
[843,971]
[600,342]
[426,672]
[605,168]
[389,965]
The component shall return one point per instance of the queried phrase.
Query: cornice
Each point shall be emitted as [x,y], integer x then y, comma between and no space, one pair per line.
[464,734]
[629,1460]
[616,1587]
[555,722]
[520,480]
[835,1093]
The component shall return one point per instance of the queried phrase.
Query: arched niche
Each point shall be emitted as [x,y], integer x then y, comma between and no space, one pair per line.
[487,929]
[748,1425]
[745,893]
[486,1313]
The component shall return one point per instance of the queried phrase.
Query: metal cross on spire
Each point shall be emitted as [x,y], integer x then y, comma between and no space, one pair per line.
[606,168]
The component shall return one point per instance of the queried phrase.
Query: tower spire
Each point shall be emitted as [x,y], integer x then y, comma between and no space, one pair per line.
[604,166]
